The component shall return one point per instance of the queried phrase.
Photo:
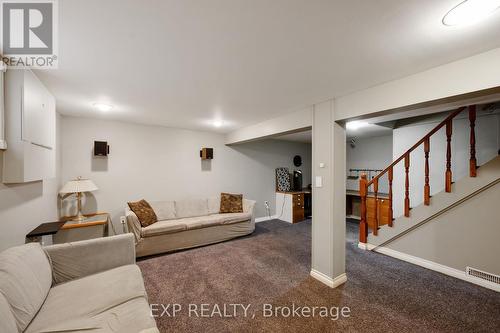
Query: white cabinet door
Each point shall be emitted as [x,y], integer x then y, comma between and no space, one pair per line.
[30,129]
[38,113]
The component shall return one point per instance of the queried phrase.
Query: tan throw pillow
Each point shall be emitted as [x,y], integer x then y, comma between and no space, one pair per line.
[144,212]
[231,203]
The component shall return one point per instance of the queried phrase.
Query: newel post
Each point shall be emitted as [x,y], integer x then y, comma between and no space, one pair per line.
[390,177]
[375,195]
[427,188]
[473,161]
[448,174]
[407,185]
[363,225]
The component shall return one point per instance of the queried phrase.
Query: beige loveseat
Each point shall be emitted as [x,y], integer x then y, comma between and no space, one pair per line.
[189,223]
[87,286]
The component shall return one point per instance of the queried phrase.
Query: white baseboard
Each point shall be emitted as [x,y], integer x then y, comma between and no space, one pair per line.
[433,266]
[265,218]
[332,283]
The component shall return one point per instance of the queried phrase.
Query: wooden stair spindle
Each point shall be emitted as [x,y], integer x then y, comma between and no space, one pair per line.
[448,175]
[363,225]
[384,210]
[407,185]
[390,177]
[427,188]
[473,161]
[375,207]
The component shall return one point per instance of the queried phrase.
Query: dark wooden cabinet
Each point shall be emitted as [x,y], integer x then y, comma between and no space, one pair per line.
[298,207]
[382,212]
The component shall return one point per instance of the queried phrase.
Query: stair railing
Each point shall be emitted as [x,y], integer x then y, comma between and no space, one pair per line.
[364,184]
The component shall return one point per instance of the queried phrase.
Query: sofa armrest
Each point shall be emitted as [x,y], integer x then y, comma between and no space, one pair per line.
[133,224]
[150,330]
[248,207]
[78,259]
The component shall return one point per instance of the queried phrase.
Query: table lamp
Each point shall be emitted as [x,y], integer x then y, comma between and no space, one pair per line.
[78,186]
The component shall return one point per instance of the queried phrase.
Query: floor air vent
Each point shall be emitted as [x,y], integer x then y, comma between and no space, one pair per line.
[483,275]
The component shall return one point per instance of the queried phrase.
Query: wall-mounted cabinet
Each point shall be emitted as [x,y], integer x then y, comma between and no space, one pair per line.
[30,128]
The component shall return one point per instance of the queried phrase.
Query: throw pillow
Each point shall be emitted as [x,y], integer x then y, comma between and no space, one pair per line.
[231,203]
[144,212]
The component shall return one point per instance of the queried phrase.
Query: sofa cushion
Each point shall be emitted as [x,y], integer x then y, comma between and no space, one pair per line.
[190,223]
[144,212]
[231,203]
[191,208]
[7,320]
[163,227]
[213,205]
[216,219]
[111,301]
[201,221]
[25,280]
[164,210]
[229,218]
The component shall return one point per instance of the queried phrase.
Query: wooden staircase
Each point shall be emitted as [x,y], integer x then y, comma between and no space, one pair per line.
[377,212]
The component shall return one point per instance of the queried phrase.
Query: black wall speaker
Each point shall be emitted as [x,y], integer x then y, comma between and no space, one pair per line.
[297,160]
[207,153]
[101,148]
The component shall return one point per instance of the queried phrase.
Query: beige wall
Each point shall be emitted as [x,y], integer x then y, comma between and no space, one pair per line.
[467,235]
[24,206]
[160,163]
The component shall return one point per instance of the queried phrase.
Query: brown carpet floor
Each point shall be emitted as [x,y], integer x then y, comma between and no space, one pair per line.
[272,266]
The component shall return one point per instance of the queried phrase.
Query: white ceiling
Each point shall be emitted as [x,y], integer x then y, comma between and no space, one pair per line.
[184,63]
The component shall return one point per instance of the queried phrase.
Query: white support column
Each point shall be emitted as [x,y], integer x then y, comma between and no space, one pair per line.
[328,224]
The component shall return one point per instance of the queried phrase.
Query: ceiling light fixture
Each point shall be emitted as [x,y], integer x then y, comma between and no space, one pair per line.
[218,123]
[103,107]
[470,11]
[354,125]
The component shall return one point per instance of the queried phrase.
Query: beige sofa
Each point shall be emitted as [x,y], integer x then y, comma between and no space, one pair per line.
[189,223]
[87,286]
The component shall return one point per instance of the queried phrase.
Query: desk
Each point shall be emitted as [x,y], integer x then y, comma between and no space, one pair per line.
[291,206]
[353,200]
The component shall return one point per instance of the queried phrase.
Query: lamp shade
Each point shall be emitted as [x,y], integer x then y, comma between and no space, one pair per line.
[78,185]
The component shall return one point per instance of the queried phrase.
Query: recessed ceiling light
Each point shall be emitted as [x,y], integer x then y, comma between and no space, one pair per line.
[470,11]
[103,107]
[354,125]
[218,123]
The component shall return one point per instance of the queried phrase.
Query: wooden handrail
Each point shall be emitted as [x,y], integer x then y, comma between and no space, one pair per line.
[364,184]
[419,142]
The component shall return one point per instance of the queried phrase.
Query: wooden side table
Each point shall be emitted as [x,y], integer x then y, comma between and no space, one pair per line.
[94,226]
